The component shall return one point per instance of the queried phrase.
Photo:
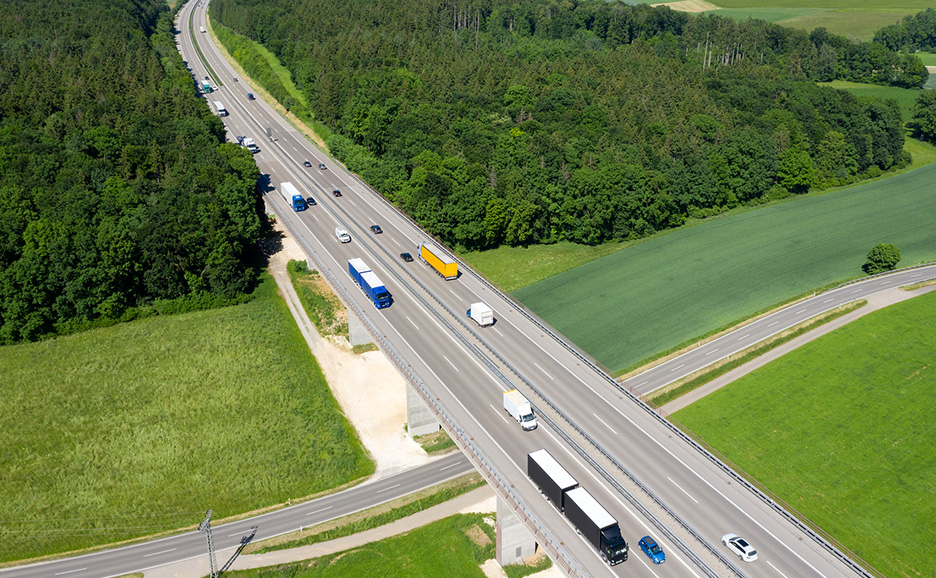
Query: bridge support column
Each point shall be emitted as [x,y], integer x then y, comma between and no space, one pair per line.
[514,541]
[357,333]
[419,420]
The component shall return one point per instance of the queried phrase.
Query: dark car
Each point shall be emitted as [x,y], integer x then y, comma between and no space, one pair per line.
[652,549]
[336,193]
[310,201]
[406,257]
[307,163]
[322,166]
[206,78]
[250,96]
[375,229]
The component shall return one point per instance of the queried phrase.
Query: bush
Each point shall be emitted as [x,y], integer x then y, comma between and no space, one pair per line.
[883,257]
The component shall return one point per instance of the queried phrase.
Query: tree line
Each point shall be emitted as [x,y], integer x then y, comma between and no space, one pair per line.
[494,122]
[116,188]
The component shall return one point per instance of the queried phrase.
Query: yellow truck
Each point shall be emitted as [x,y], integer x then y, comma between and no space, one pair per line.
[435,258]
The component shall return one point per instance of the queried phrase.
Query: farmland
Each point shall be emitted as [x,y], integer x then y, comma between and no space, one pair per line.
[139,428]
[632,304]
[844,424]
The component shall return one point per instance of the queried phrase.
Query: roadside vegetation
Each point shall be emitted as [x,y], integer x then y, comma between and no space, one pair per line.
[663,292]
[321,304]
[453,547]
[372,517]
[139,428]
[844,424]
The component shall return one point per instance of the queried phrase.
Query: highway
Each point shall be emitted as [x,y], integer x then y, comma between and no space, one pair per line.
[651,478]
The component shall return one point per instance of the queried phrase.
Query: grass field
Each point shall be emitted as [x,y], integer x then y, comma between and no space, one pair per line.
[452,547]
[138,428]
[844,430]
[628,306]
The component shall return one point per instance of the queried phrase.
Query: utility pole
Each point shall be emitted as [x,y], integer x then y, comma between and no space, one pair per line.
[205,527]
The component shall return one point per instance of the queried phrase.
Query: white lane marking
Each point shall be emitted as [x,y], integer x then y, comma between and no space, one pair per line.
[912,277]
[453,293]
[856,290]
[774,323]
[499,414]
[885,282]
[683,491]
[827,300]
[605,424]
[319,510]
[543,370]
[777,569]
[414,323]
[710,352]
[450,363]
[677,367]
[158,553]
[450,466]
[395,242]
[388,489]
[745,336]
[498,332]
[352,202]
[641,383]
[614,495]
[800,311]
[70,571]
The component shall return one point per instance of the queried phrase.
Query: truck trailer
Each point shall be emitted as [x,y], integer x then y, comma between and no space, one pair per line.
[292,196]
[482,314]
[520,409]
[596,524]
[220,108]
[435,258]
[368,281]
[551,478]
[206,86]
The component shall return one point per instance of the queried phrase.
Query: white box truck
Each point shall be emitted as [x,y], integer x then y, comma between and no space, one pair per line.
[220,108]
[482,314]
[520,409]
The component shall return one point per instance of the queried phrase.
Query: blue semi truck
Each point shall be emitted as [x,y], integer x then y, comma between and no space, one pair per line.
[293,197]
[368,281]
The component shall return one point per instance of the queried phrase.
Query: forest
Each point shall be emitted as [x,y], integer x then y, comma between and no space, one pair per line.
[912,33]
[495,122]
[116,188]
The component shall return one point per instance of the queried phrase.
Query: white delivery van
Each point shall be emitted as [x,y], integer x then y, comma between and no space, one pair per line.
[482,314]
[342,235]
[520,409]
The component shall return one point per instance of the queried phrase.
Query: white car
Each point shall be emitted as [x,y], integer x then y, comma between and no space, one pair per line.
[739,546]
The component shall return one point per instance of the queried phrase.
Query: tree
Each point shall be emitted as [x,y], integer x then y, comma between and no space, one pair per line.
[882,257]
[923,123]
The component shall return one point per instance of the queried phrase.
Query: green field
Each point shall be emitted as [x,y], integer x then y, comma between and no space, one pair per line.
[844,430]
[452,547]
[632,304]
[130,430]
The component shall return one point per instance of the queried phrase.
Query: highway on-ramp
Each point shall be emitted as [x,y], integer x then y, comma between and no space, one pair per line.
[651,478]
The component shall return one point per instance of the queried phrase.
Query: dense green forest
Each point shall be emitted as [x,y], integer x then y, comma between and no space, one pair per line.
[914,32]
[496,122]
[116,188]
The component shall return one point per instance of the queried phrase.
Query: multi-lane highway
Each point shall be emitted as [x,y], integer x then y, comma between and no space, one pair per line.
[652,479]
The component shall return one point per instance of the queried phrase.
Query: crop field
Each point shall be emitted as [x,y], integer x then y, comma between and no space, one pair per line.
[141,427]
[453,547]
[844,430]
[653,296]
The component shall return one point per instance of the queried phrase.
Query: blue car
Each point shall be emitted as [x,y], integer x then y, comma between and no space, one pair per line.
[652,550]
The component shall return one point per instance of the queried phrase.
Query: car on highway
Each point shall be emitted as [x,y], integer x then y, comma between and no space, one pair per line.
[406,257]
[310,201]
[375,229]
[652,550]
[336,193]
[306,163]
[250,96]
[322,166]
[739,546]
[206,78]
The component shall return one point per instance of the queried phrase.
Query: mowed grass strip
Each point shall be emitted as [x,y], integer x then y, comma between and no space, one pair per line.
[453,547]
[844,430]
[648,298]
[130,430]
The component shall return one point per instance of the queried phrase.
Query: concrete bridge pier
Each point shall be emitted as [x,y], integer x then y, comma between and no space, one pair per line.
[357,333]
[419,420]
[514,541]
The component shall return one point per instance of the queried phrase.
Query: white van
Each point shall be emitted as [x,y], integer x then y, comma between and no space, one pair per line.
[342,235]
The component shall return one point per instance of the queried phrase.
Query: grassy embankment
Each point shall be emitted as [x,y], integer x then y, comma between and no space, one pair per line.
[136,429]
[671,290]
[844,430]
